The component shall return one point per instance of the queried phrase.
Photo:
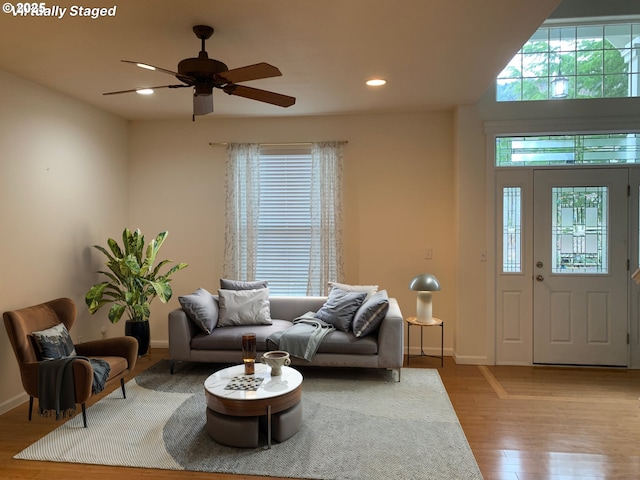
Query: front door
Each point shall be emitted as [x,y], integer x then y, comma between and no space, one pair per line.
[580,221]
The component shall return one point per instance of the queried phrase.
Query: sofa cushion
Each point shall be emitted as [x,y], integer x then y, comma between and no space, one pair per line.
[230,338]
[227,284]
[370,314]
[347,343]
[244,307]
[54,342]
[201,308]
[340,308]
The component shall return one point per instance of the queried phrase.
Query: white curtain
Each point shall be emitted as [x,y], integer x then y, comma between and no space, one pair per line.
[325,263]
[241,212]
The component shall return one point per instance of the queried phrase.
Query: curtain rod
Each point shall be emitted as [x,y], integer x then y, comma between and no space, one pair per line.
[286,144]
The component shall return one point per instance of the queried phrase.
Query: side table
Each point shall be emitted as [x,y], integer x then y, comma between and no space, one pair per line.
[435,322]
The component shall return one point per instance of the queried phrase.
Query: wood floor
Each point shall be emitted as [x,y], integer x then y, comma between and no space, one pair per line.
[522,423]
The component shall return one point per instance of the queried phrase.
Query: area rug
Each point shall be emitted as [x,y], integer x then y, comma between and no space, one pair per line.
[357,425]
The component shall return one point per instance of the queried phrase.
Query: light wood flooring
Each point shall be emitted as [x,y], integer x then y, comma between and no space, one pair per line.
[522,423]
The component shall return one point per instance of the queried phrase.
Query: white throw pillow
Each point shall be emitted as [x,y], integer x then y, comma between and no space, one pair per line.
[244,307]
[368,289]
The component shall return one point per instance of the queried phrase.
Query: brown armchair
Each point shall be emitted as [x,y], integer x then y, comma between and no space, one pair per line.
[121,353]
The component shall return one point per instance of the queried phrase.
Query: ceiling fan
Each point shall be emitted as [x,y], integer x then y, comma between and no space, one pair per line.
[204,74]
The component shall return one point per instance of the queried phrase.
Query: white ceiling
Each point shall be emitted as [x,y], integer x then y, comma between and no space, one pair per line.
[435,54]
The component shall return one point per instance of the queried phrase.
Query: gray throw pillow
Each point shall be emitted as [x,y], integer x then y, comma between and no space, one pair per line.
[202,309]
[54,342]
[244,307]
[340,308]
[227,284]
[370,314]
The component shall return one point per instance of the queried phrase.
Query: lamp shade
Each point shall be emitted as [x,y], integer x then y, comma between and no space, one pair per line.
[425,282]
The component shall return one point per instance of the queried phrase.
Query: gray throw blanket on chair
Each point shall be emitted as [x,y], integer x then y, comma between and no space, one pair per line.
[56,387]
[303,338]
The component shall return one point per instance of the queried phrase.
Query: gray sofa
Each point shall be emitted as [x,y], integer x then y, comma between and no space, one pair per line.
[381,349]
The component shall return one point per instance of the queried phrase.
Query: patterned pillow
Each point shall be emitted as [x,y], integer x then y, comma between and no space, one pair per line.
[340,308]
[244,307]
[370,314]
[202,308]
[54,342]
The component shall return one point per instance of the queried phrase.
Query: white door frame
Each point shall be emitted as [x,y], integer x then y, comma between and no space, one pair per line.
[492,130]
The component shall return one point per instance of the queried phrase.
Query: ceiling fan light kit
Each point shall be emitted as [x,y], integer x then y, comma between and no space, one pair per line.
[204,74]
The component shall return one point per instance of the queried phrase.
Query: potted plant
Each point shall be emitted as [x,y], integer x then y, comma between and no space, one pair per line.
[134,281]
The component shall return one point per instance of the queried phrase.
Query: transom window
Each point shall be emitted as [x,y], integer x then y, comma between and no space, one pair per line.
[563,150]
[579,61]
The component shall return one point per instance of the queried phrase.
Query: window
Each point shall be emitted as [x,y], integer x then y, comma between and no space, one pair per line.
[563,150]
[284,216]
[579,229]
[512,229]
[578,61]
[284,221]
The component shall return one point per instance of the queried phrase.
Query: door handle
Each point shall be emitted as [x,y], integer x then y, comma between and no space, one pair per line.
[539,278]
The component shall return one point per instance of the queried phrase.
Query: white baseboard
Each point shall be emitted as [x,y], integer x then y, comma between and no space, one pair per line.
[159,343]
[13,402]
[471,360]
[431,351]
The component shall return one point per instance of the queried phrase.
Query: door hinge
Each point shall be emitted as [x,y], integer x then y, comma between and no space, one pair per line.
[628,265]
[627,339]
[628,190]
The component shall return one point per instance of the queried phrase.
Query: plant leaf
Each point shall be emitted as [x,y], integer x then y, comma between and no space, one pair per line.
[115,312]
[163,290]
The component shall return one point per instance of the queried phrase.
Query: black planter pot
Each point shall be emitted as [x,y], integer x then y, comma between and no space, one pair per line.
[139,331]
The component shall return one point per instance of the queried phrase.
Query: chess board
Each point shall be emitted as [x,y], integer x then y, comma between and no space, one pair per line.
[244,382]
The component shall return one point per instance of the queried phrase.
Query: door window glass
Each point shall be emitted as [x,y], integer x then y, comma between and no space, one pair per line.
[579,230]
[512,230]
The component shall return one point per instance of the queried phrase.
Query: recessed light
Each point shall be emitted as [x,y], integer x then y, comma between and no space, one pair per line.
[376,82]
[145,91]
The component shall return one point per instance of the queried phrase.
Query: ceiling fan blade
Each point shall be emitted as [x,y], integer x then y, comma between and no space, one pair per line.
[145,88]
[148,66]
[260,95]
[202,104]
[250,72]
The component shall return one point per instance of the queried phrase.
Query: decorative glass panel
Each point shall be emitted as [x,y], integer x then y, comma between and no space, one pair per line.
[579,230]
[511,229]
[568,150]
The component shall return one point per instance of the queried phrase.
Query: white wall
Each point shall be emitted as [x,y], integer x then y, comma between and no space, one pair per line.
[399,198]
[63,187]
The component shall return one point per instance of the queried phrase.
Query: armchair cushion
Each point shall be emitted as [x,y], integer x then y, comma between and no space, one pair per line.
[54,342]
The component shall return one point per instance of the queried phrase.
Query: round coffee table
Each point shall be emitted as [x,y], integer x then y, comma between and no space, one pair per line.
[235,406]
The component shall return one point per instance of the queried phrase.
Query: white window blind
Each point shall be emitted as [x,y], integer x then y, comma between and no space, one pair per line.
[284,220]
